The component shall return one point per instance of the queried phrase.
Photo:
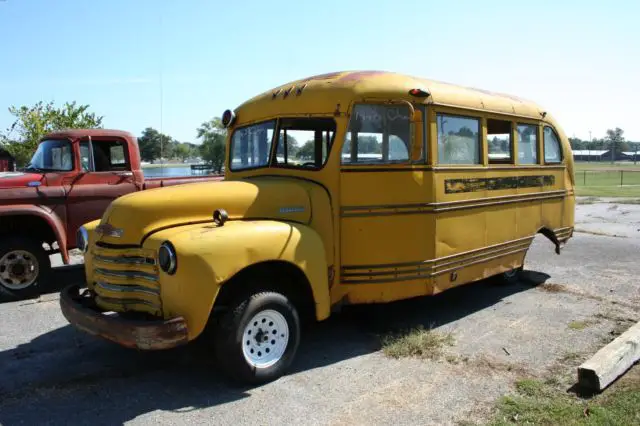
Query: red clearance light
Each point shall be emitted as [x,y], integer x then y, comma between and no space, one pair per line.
[228,118]
[419,93]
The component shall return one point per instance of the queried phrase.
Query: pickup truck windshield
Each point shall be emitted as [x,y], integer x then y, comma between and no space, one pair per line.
[52,155]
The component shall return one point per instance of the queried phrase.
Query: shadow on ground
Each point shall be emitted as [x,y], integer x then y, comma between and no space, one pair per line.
[65,375]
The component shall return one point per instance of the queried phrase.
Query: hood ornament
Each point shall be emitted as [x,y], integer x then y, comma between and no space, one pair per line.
[109,230]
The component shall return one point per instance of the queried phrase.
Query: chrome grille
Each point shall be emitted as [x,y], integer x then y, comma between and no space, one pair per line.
[126,280]
[127,275]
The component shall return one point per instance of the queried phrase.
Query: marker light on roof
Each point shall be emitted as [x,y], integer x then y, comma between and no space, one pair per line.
[418,93]
[228,118]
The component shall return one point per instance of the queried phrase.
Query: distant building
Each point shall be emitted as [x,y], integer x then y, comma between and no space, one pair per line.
[7,162]
[591,154]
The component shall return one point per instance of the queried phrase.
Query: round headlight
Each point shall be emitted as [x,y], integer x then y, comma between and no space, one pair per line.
[167,258]
[82,239]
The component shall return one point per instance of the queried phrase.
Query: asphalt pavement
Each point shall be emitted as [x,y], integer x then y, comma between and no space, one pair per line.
[568,307]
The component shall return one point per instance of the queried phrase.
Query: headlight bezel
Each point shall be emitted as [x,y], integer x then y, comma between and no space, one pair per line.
[171,264]
[82,239]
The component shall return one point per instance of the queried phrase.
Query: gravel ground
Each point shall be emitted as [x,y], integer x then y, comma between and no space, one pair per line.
[52,374]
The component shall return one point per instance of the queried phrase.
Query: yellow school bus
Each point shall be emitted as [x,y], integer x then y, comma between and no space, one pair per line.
[342,188]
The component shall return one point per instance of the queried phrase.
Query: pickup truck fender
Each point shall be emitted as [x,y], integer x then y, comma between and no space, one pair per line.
[209,257]
[44,213]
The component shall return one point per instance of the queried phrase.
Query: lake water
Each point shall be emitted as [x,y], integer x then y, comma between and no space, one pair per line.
[169,171]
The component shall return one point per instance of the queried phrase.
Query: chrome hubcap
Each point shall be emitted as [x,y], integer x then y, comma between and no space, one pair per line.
[265,339]
[18,269]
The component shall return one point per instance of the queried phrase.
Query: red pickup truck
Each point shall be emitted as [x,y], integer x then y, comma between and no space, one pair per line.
[71,179]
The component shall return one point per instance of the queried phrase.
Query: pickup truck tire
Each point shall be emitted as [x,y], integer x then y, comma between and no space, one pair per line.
[25,269]
[256,340]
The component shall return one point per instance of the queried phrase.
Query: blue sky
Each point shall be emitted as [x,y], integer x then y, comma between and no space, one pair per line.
[580,59]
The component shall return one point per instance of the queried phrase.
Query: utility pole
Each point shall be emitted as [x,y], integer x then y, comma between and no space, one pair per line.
[589,147]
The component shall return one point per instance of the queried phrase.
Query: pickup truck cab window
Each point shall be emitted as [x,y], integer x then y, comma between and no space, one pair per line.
[107,156]
[52,155]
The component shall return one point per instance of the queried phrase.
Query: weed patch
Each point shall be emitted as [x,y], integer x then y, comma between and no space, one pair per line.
[417,343]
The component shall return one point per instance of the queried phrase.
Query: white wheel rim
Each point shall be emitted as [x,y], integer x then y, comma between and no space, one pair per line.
[18,269]
[265,338]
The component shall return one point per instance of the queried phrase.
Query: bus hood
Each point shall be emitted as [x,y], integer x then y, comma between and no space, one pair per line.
[130,218]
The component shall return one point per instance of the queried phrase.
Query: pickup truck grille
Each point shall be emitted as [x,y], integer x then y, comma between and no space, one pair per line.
[126,280]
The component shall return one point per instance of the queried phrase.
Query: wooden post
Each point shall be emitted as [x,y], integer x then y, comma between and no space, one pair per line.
[611,361]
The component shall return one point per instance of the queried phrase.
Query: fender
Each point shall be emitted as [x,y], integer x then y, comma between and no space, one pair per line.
[42,212]
[209,256]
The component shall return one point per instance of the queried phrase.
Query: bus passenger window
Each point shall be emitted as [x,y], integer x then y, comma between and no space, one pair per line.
[552,150]
[499,141]
[458,139]
[527,144]
[377,134]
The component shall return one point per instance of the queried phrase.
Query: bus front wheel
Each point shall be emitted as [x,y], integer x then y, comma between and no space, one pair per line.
[257,339]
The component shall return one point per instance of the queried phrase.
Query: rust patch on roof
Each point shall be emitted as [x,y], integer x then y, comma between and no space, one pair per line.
[359,75]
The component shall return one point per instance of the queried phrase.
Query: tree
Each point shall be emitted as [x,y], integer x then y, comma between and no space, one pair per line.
[32,123]
[213,136]
[182,151]
[615,139]
[576,143]
[307,151]
[154,145]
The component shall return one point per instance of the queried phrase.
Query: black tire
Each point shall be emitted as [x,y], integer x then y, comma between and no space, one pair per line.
[228,338]
[37,252]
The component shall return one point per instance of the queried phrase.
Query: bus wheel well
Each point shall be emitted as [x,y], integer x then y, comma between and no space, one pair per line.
[551,236]
[27,226]
[278,276]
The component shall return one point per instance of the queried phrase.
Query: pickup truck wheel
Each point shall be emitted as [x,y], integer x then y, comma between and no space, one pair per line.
[24,267]
[256,341]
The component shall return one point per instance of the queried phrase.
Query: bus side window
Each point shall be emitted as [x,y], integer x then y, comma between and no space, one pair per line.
[377,134]
[499,141]
[458,139]
[527,144]
[552,150]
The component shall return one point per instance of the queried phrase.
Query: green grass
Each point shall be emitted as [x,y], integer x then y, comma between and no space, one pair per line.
[539,403]
[608,191]
[579,325]
[604,179]
[588,165]
[417,343]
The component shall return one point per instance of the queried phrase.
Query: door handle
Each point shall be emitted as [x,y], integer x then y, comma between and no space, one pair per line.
[123,174]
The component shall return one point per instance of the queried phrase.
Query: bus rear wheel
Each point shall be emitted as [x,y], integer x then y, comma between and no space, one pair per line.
[257,339]
[512,276]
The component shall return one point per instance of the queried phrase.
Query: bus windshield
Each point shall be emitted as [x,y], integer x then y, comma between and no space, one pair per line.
[250,145]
